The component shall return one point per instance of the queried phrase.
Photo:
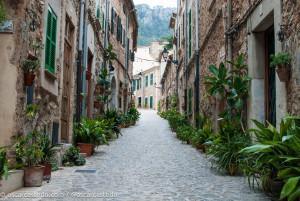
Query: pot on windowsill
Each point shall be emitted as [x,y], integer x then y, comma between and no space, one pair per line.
[29,78]
[283,72]
[33,176]
[86,148]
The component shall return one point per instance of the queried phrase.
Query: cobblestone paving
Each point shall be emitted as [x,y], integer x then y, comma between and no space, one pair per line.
[146,163]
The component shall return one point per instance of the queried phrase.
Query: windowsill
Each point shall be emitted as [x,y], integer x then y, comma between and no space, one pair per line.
[50,74]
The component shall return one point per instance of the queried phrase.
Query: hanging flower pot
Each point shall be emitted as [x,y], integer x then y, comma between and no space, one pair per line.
[29,78]
[29,67]
[282,62]
[283,72]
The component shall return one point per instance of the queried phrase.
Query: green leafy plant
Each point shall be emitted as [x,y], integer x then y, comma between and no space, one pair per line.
[30,66]
[275,156]
[134,113]
[185,133]
[281,58]
[90,131]
[72,157]
[31,111]
[2,12]
[47,149]
[224,150]
[3,164]
[109,54]
[28,149]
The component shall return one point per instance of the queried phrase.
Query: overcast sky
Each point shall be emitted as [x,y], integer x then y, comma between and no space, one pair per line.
[165,3]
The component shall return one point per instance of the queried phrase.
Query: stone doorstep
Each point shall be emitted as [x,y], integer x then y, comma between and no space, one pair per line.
[13,182]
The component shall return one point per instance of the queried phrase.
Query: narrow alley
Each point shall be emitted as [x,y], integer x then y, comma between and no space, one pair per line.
[146,163]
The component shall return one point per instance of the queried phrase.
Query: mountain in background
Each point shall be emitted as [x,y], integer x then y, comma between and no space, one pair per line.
[153,23]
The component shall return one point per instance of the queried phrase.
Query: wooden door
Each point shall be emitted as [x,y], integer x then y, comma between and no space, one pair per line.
[67,81]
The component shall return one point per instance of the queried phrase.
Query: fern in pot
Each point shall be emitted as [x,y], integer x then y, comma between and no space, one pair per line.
[48,155]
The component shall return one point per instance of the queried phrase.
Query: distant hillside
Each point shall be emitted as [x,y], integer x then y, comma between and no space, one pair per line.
[153,23]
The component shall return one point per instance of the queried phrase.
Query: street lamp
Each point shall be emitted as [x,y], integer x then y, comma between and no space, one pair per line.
[165,54]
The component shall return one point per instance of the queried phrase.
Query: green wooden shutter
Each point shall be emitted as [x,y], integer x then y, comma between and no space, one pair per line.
[112,21]
[50,41]
[190,33]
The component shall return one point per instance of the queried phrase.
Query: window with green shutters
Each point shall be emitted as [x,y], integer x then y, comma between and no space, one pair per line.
[146,81]
[190,33]
[190,100]
[51,41]
[151,79]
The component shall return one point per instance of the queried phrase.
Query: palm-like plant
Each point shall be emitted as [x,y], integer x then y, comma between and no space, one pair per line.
[276,156]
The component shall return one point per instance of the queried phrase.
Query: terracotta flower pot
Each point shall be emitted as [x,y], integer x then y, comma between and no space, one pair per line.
[29,78]
[232,169]
[97,104]
[47,171]
[86,148]
[33,176]
[283,72]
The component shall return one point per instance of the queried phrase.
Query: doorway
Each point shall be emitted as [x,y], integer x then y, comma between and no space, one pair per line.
[270,77]
[67,80]
[89,84]
[151,102]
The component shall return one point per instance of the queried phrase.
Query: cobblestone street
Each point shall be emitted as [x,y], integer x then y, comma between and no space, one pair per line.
[146,163]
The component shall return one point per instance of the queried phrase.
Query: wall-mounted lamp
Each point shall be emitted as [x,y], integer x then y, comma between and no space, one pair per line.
[282,32]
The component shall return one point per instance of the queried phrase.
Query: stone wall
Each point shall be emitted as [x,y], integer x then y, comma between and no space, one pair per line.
[291,17]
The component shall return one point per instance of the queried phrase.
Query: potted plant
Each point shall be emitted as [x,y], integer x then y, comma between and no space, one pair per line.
[48,155]
[88,134]
[3,164]
[29,151]
[282,62]
[72,157]
[29,67]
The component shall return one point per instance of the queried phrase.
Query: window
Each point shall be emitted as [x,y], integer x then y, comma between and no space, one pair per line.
[112,30]
[146,102]
[50,41]
[190,100]
[140,102]
[29,93]
[151,102]
[146,81]
[134,85]
[190,33]
[151,79]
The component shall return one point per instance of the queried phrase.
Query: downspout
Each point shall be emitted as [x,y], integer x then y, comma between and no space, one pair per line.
[197,65]
[177,57]
[79,62]
[229,37]
[185,57]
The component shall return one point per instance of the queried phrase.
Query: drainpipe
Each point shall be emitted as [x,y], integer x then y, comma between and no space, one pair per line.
[229,37]
[79,62]
[186,57]
[197,66]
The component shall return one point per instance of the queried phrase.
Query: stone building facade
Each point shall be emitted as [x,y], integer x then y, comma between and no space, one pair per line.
[147,75]
[230,28]
[123,32]
[42,29]
[68,38]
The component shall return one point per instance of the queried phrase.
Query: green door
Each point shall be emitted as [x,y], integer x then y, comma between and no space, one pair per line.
[151,102]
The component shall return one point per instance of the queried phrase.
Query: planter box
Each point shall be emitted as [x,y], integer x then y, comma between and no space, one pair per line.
[13,182]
